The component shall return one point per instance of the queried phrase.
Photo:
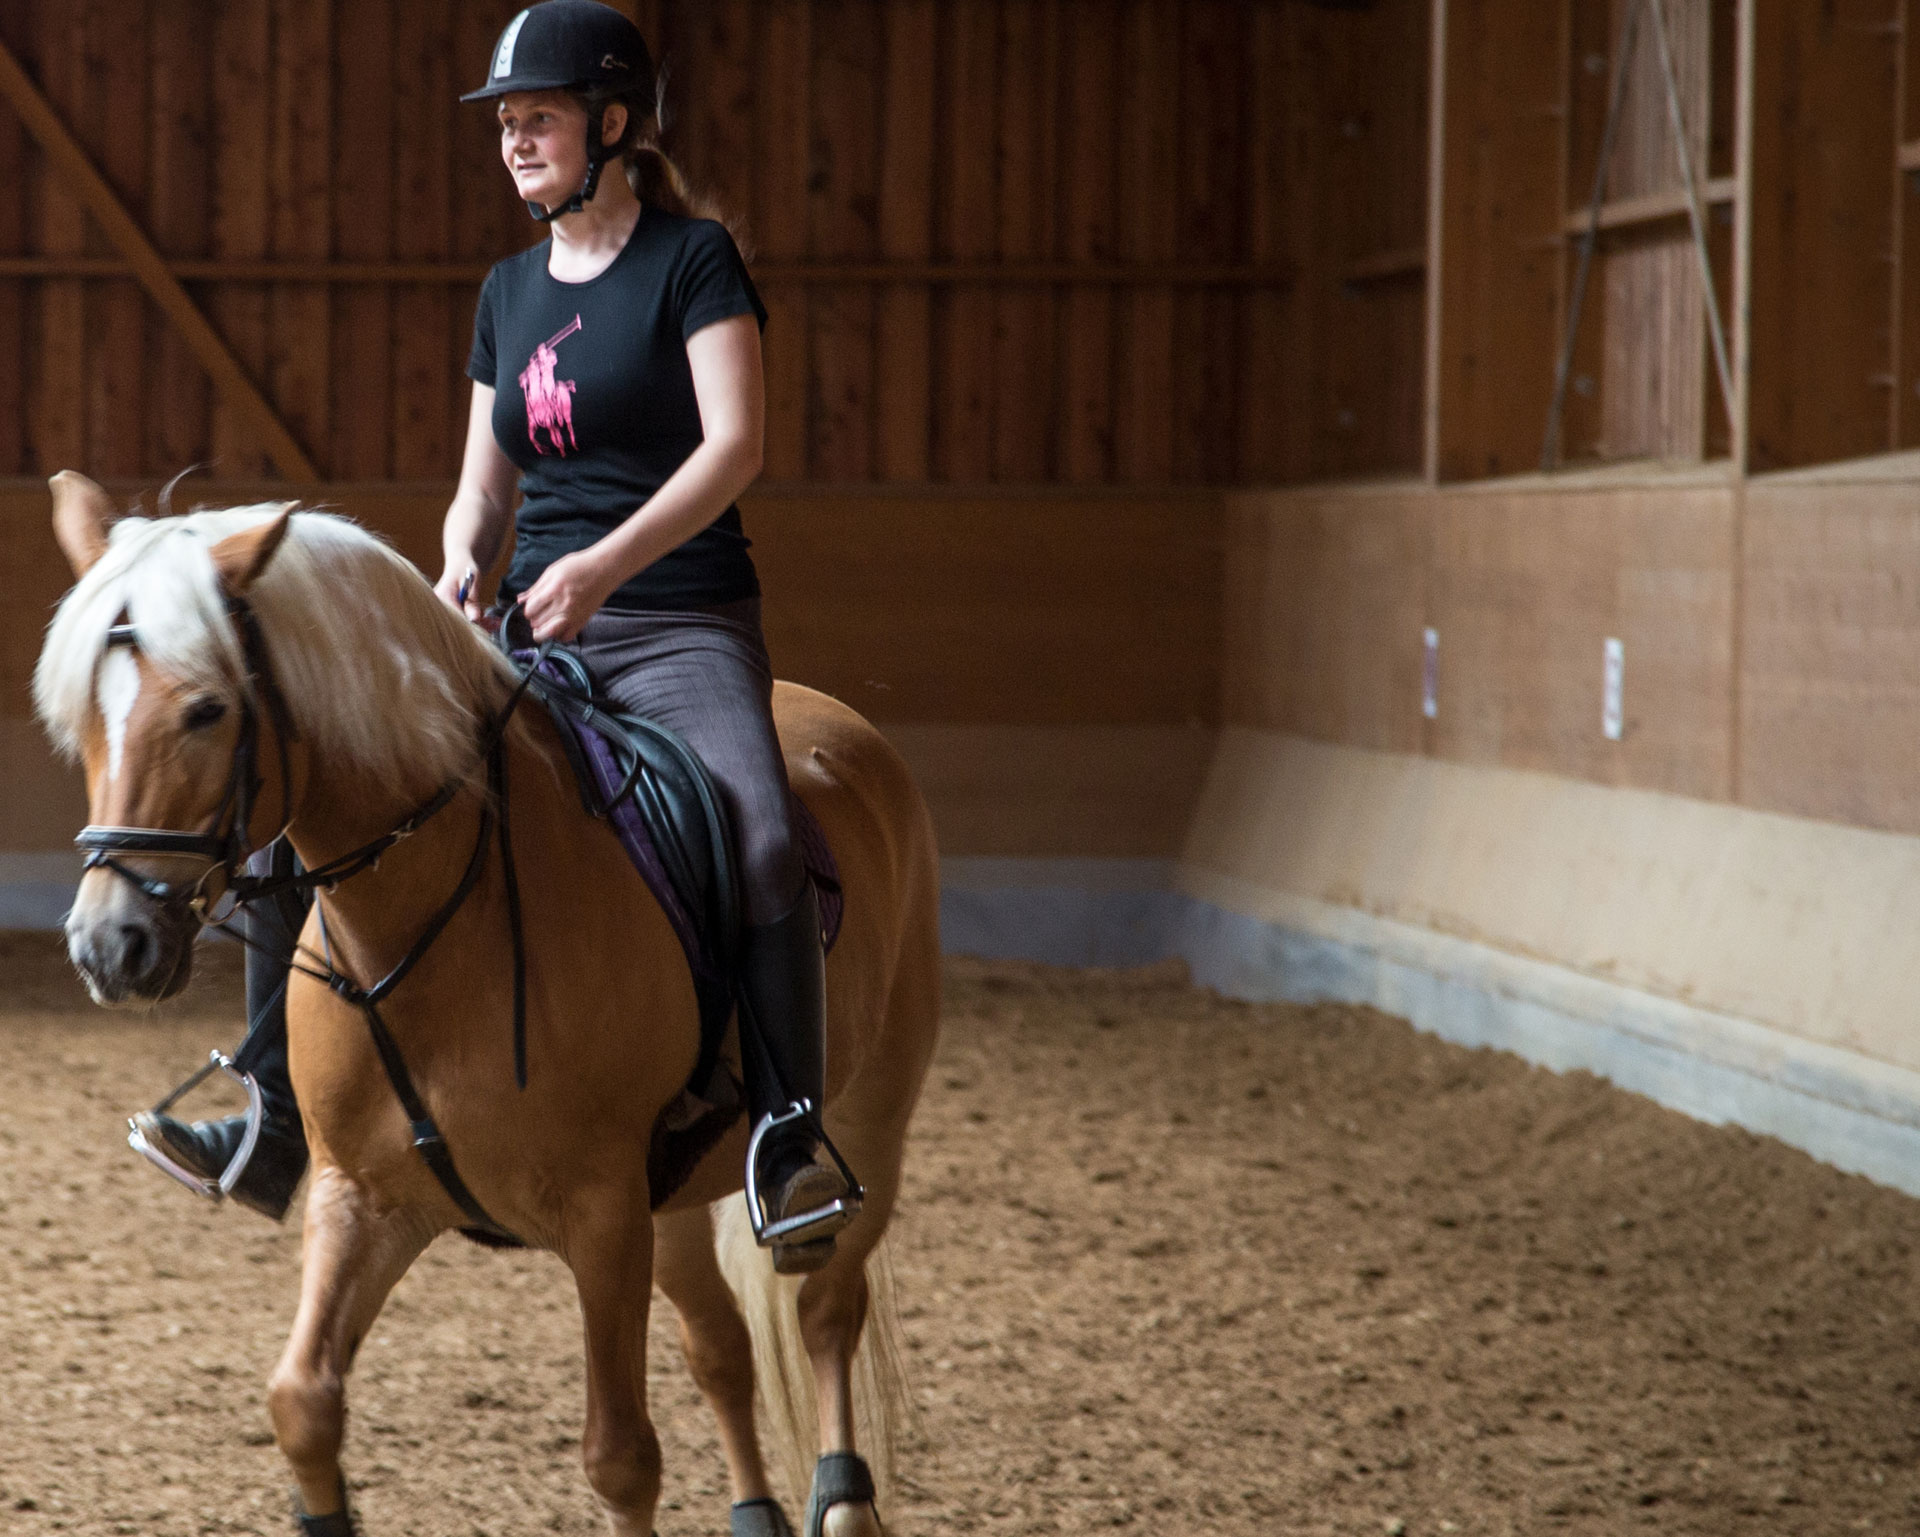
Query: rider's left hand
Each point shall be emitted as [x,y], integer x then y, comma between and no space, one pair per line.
[568,594]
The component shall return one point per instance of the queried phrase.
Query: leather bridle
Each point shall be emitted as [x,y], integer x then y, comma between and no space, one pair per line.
[226,848]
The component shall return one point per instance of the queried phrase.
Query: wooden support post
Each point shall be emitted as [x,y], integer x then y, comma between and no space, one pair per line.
[70,161]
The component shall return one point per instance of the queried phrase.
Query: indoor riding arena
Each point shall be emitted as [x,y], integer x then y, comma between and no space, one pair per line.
[1388,534]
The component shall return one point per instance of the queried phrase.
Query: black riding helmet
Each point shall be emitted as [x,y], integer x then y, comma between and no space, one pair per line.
[571,45]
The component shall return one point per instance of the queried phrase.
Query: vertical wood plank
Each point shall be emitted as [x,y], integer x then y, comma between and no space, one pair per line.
[963,421]
[242,61]
[1023,333]
[362,404]
[114,130]
[180,209]
[1276,411]
[843,215]
[424,438]
[302,121]
[1821,223]
[1211,208]
[1906,326]
[56,417]
[711,102]
[1089,181]
[782,144]
[1497,242]
[903,376]
[1148,146]
[16,28]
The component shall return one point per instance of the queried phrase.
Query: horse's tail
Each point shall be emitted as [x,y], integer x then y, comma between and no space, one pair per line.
[783,1374]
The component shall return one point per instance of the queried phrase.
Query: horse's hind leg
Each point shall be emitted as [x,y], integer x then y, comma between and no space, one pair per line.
[351,1260]
[833,1305]
[718,1348]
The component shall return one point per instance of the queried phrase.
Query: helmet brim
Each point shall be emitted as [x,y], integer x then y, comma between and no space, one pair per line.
[495,89]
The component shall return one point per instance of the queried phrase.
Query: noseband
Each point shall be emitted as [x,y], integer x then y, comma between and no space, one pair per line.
[224,844]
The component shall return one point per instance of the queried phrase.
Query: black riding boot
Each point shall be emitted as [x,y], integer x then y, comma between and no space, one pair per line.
[206,1148]
[803,1201]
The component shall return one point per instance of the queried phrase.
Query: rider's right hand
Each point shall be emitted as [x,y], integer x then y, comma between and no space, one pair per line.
[460,578]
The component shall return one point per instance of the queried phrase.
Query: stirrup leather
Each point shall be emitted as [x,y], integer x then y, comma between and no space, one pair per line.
[161,1159]
[807,1226]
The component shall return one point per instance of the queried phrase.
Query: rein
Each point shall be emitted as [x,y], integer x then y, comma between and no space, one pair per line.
[225,847]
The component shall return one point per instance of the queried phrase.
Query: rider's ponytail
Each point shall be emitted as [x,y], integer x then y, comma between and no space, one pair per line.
[652,173]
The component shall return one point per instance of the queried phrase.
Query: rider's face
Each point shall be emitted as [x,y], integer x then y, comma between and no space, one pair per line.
[543,140]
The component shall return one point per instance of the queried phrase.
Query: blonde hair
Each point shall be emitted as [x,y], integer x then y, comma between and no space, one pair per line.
[346,619]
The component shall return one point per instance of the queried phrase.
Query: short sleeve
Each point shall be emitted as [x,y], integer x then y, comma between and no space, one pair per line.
[482,366]
[711,282]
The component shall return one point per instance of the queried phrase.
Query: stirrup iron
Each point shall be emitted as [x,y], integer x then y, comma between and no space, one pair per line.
[161,1159]
[807,1226]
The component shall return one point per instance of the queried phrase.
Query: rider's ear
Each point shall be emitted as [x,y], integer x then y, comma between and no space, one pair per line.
[81,512]
[241,557]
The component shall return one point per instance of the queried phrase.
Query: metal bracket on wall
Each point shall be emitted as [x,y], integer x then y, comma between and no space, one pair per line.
[1589,238]
[150,268]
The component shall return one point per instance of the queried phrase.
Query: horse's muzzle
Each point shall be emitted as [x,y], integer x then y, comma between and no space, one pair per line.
[130,949]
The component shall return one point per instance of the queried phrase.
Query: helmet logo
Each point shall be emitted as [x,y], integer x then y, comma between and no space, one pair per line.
[610,62]
[503,55]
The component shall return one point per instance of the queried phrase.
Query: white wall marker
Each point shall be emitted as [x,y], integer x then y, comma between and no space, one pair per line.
[1430,677]
[1613,685]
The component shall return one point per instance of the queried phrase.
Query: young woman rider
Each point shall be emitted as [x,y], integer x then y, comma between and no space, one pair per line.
[617,379]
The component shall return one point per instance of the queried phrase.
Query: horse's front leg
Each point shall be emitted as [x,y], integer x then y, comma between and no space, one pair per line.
[351,1259]
[611,1253]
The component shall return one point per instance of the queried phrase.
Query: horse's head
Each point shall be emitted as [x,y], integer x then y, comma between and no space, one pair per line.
[146,680]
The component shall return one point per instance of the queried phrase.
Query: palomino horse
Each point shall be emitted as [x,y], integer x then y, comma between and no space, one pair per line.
[387,696]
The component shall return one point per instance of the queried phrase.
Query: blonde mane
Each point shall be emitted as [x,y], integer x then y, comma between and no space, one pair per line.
[376,670]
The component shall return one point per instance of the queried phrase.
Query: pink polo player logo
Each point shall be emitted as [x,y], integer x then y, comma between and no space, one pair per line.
[549,400]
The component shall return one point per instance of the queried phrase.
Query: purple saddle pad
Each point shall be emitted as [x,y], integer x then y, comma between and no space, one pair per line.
[815,853]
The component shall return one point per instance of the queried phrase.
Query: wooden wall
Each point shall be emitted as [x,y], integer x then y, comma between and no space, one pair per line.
[1003,241]
[1048,662]
[1771,629]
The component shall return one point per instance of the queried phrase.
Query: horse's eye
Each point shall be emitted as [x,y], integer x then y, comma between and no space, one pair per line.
[204,712]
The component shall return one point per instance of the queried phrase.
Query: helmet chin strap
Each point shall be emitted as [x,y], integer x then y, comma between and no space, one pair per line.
[597,158]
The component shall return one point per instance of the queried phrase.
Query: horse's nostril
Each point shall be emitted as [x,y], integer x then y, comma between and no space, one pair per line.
[136,950]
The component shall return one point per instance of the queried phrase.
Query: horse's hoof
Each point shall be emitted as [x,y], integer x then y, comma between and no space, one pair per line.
[851,1521]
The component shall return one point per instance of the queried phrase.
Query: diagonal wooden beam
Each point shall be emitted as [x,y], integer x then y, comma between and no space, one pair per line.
[150,268]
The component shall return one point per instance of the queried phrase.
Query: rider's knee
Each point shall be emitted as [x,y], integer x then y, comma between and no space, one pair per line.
[309,1415]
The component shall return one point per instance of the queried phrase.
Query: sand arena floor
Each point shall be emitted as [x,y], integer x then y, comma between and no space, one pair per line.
[1169,1263]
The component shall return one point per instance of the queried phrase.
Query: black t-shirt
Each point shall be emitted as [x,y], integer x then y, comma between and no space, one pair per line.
[594,400]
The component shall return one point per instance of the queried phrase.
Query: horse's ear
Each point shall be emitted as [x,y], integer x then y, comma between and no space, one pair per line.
[81,511]
[241,557]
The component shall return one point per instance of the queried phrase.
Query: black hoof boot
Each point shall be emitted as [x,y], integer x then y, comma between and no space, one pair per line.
[206,1150]
[759,1518]
[839,1478]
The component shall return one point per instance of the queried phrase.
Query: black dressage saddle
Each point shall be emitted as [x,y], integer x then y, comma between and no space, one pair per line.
[657,794]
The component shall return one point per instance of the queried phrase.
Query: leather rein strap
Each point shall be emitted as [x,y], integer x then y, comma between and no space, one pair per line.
[225,847]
